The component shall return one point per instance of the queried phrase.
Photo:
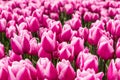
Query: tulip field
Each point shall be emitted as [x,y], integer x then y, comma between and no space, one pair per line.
[59,40]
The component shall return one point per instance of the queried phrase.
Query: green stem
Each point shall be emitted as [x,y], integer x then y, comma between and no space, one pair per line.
[104,70]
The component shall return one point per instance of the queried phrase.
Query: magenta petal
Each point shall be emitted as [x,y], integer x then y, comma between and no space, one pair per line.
[16,46]
[23,74]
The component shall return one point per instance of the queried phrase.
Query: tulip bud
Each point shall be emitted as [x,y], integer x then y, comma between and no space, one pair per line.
[112,71]
[89,75]
[66,52]
[25,44]
[94,35]
[65,70]
[87,17]
[87,61]
[3,72]
[83,33]
[33,47]
[48,41]
[16,46]
[78,45]
[69,8]
[34,24]
[105,48]
[66,33]
[3,25]
[46,70]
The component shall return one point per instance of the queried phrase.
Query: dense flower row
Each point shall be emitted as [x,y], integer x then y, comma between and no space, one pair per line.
[59,40]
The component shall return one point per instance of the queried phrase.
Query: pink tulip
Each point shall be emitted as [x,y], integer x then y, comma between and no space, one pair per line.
[66,51]
[46,70]
[25,44]
[112,12]
[110,26]
[94,35]
[83,33]
[105,48]
[78,45]
[10,31]
[95,8]
[56,27]
[69,8]
[33,47]
[16,46]
[54,7]
[48,41]
[34,24]
[87,17]
[95,16]
[54,16]
[112,73]
[89,75]
[7,15]
[66,33]
[22,70]
[3,72]
[2,51]
[3,25]
[87,61]
[65,70]
[76,23]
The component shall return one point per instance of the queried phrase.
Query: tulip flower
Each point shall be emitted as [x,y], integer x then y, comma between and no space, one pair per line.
[65,70]
[66,33]
[46,70]
[87,61]
[16,45]
[112,73]
[25,44]
[54,16]
[66,51]
[6,14]
[105,48]
[48,41]
[78,45]
[95,16]
[34,24]
[33,47]
[69,8]
[75,23]
[112,12]
[3,72]
[3,25]
[87,17]
[83,33]
[56,27]
[22,70]
[94,35]
[89,75]
[10,31]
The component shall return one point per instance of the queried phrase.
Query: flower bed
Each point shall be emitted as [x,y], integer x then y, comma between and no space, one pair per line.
[59,40]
